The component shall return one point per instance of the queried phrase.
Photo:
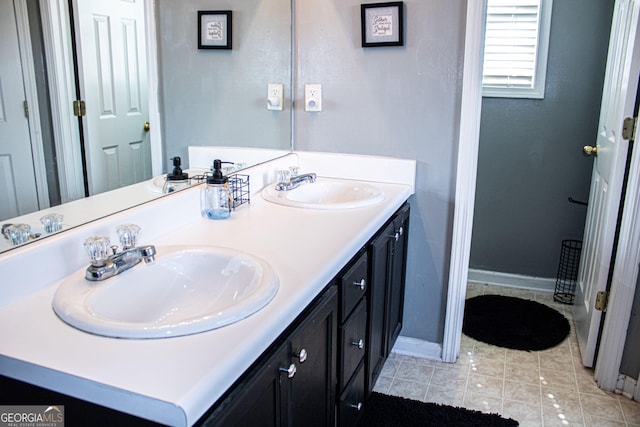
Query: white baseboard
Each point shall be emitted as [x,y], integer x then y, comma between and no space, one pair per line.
[512,280]
[408,346]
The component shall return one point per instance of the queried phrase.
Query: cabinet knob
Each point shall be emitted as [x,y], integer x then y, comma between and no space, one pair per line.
[399,232]
[362,284]
[291,371]
[359,344]
[302,356]
[357,406]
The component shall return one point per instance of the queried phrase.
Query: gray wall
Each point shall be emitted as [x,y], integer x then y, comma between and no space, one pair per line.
[392,101]
[405,101]
[530,157]
[219,97]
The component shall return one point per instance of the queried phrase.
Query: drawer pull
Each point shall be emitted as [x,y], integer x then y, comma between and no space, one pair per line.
[399,232]
[362,284]
[302,356]
[290,372]
[357,406]
[359,344]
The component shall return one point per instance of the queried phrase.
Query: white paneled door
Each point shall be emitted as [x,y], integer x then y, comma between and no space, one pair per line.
[113,70]
[618,101]
[18,193]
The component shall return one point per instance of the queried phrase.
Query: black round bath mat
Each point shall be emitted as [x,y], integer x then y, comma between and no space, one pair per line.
[513,323]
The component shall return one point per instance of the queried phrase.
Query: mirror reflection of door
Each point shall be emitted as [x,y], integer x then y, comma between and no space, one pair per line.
[18,192]
[112,76]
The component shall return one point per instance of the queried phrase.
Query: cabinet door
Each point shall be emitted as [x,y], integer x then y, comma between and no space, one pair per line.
[313,347]
[260,400]
[396,285]
[379,252]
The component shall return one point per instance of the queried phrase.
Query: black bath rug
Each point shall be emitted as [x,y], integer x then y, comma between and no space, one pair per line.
[391,411]
[513,323]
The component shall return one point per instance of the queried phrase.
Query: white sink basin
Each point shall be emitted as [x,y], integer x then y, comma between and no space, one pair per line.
[186,290]
[326,193]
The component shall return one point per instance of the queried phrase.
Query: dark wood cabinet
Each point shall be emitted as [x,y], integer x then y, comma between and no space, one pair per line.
[313,349]
[397,275]
[295,382]
[260,399]
[387,267]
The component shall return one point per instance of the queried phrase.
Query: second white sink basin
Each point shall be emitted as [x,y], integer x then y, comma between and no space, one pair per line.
[185,291]
[326,193]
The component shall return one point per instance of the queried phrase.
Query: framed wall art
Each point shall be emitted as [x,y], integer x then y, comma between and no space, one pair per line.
[382,24]
[214,29]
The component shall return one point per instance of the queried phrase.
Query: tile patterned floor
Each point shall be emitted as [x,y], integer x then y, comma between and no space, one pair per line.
[544,388]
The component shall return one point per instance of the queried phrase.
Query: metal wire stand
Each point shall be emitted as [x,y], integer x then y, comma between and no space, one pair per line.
[567,271]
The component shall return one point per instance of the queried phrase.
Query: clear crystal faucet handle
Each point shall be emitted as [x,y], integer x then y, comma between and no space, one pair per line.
[52,222]
[127,234]
[98,248]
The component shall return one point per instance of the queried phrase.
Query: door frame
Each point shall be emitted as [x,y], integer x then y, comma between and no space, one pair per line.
[626,267]
[466,172]
[55,15]
[31,97]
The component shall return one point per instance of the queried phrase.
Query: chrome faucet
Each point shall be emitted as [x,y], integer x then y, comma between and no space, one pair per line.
[106,262]
[294,182]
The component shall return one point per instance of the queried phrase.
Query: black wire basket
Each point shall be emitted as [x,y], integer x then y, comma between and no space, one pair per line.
[568,271]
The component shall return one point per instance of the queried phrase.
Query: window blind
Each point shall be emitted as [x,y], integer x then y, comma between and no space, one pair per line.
[511,44]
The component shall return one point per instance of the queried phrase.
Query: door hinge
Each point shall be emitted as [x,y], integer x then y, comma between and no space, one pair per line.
[25,104]
[629,128]
[79,108]
[602,299]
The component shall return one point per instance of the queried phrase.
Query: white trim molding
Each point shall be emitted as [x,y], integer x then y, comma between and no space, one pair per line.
[31,95]
[58,51]
[466,172]
[153,88]
[543,284]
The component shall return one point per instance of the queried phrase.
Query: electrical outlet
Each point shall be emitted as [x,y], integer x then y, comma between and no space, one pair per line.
[275,96]
[313,97]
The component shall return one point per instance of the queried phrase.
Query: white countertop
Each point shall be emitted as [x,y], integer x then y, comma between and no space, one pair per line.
[175,380]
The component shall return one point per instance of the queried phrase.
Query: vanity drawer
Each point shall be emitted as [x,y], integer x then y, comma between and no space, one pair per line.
[351,404]
[352,334]
[353,286]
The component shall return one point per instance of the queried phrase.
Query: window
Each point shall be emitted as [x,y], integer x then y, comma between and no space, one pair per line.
[516,45]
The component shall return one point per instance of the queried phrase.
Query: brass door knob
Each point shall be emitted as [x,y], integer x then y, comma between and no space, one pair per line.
[590,150]
[146,126]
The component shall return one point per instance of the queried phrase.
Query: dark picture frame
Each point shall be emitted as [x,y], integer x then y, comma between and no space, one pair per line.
[382,24]
[214,29]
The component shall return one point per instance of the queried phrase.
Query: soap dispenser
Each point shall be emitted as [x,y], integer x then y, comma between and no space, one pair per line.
[176,180]
[215,197]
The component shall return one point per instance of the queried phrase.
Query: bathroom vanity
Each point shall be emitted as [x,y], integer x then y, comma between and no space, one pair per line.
[310,356]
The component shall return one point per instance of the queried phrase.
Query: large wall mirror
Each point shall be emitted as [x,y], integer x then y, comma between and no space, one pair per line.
[148,94]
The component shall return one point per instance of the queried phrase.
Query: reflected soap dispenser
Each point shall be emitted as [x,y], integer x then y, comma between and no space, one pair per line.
[176,180]
[215,197]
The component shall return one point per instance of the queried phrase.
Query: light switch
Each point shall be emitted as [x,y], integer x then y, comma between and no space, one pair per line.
[275,96]
[313,97]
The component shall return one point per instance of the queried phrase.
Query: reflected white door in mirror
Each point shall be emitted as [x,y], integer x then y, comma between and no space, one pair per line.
[18,191]
[111,48]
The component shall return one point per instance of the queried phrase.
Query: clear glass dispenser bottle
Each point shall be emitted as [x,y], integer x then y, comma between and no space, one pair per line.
[177,179]
[215,197]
